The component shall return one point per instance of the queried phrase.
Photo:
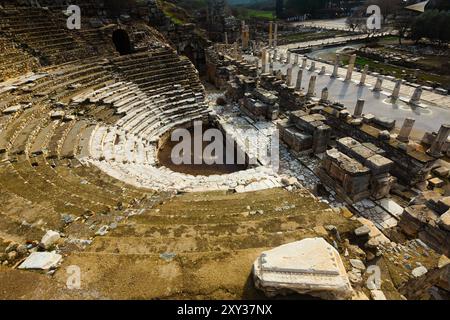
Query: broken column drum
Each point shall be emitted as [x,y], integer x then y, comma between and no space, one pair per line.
[406,129]
[441,138]
[324,96]
[359,108]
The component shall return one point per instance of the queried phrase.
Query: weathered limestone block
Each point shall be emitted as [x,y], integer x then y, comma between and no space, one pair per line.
[349,178]
[310,266]
[422,222]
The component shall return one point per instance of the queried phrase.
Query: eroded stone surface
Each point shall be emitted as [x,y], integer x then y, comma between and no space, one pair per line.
[310,266]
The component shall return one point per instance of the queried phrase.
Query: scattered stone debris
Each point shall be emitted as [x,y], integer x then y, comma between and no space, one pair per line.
[41,261]
[50,239]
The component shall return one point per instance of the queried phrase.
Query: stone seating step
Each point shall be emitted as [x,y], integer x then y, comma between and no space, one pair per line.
[87,201]
[70,144]
[60,132]
[18,179]
[39,145]
[19,145]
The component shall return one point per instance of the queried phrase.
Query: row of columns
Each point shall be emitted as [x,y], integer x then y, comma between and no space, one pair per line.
[408,124]
[415,99]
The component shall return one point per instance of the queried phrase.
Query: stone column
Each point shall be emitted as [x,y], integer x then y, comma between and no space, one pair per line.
[324,96]
[298,85]
[275,54]
[270,34]
[245,36]
[378,84]
[296,59]
[322,70]
[396,92]
[275,37]
[313,66]
[364,75]
[441,139]
[264,60]
[336,67]
[304,61]
[415,99]
[312,85]
[271,68]
[359,108]
[351,66]
[226,37]
[289,57]
[406,129]
[289,76]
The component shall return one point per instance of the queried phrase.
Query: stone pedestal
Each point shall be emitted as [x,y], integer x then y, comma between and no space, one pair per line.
[313,66]
[406,129]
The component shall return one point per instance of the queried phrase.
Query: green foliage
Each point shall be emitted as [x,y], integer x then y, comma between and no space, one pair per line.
[305,6]
[245,14]
[433,25]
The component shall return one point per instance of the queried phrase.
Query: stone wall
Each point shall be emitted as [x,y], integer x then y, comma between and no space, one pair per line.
[428,218]
[410,166]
